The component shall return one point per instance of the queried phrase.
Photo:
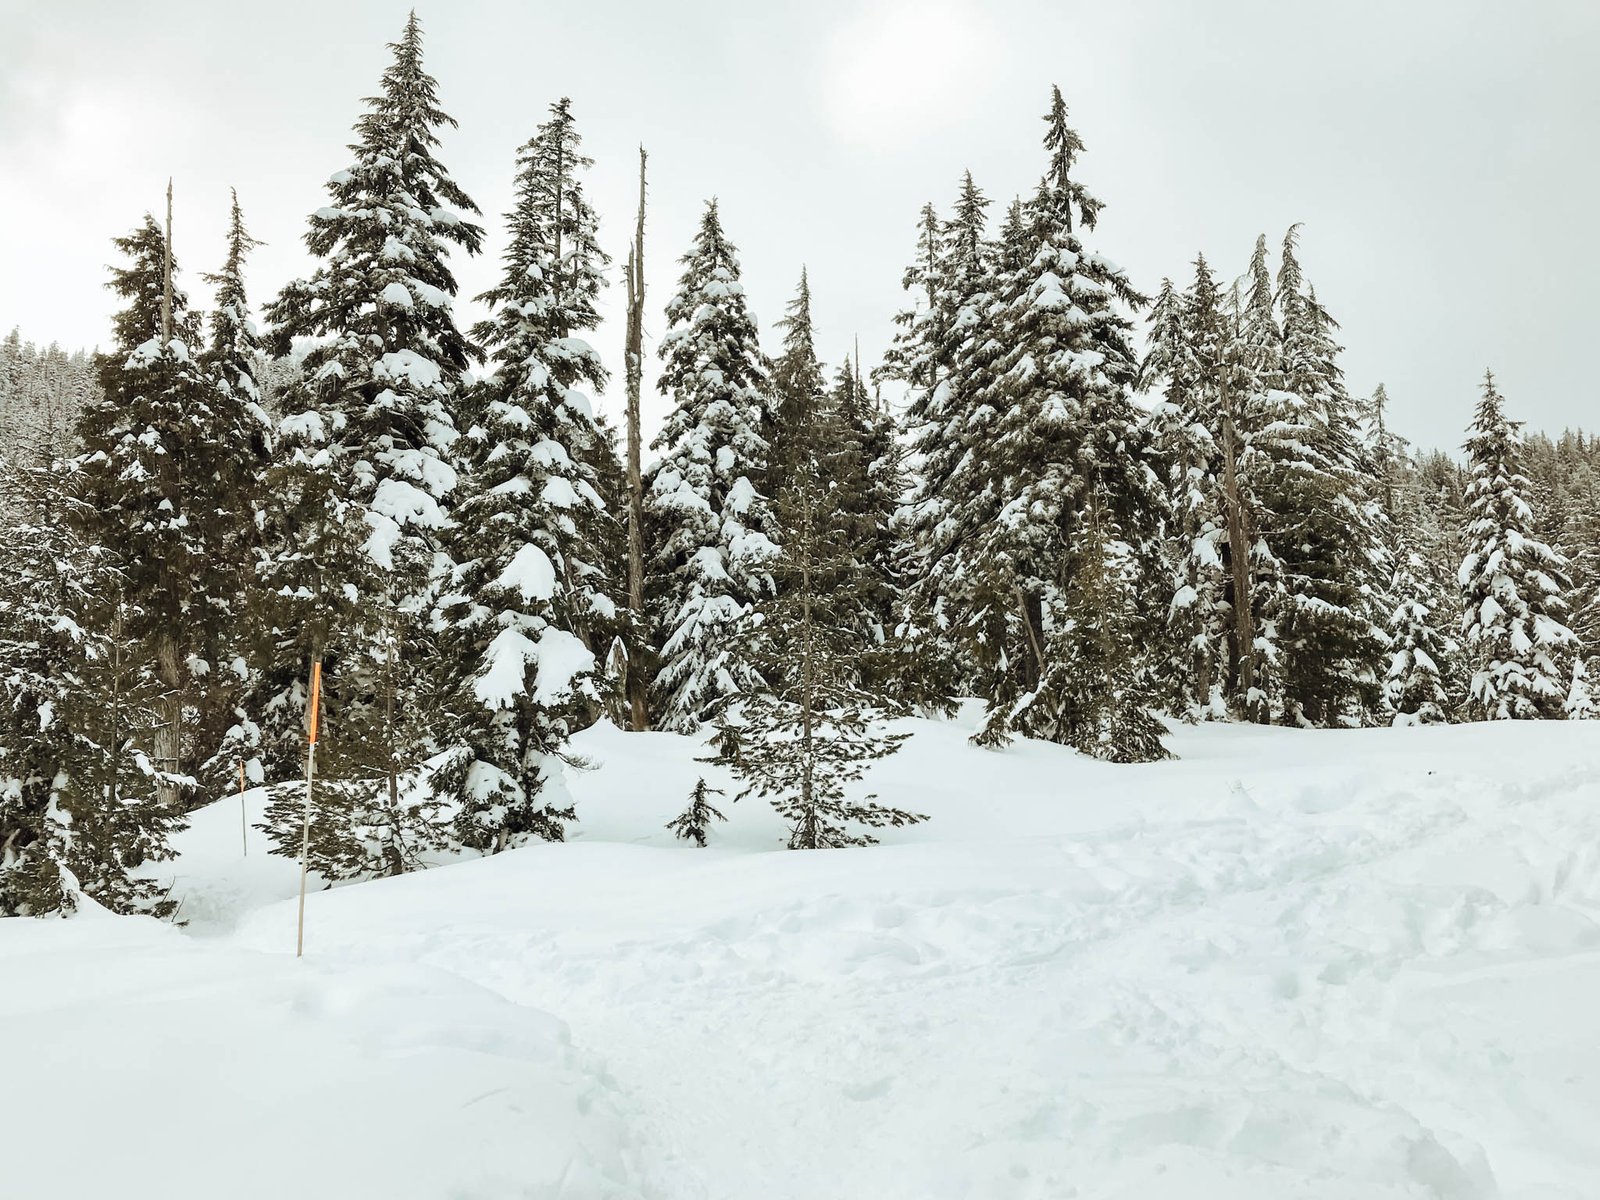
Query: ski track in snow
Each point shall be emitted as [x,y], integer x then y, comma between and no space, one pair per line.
[1289,965]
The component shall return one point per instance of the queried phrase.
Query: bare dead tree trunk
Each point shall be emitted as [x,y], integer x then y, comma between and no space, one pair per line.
[638,684]
[166,275]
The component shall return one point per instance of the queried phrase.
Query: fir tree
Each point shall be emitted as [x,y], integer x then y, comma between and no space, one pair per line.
[867,467]
[1326,528]
[1386,450]
[531,585]
[797,392]
[920,662]
[366,471]
[715,533]
[1053,443]
[79,809]
[233,522]
[816,732]
[693,823]
[1511,583]
[1413,689]
[1101,702]
[1187,358]
[156,449]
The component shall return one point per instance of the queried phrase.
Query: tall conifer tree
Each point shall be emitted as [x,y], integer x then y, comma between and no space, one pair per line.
[1511,583]
[715,531]
[366,469]
[531,587]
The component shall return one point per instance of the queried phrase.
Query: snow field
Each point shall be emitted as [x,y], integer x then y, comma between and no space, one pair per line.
[1314,965]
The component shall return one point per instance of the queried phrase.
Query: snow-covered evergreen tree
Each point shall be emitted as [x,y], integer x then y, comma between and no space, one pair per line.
[694,822]
[157,453]
[79,809]
[531,585]
[1413,688]
[1511,583]
[1326,527]
[366,471]
[1184,360]
[920,662]
[797,392]
[715,535]
[868,467]
[1054,440]
[1101,700]
[233,522]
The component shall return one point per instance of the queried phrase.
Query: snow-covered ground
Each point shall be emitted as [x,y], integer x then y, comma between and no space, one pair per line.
[1290,966]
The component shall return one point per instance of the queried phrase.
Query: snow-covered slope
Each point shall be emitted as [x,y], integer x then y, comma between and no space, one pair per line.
[1340,966]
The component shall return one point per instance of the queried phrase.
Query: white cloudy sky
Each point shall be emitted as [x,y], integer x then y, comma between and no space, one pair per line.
[1441,153]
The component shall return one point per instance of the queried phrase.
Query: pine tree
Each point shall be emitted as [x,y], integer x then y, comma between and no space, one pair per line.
[1386,450]
[693,823]
[1328,531]
[232,522]
[532,585]
[920,662]
[366,471]
[1581,539]
[1325,525]
[1511,583]
[957,365]
[1188,358]
[79,809]
[148,478]
[715,532]
[815,732]
[1413,689]
[867,466]
[1055,443]
[913,356]
[1101,702]
[797,392]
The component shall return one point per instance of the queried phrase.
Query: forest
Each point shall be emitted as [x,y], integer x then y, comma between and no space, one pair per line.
[1097,505]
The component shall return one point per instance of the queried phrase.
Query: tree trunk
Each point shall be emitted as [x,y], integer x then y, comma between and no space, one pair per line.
[1030,609]
[391,745]
[169,733]
[638,681]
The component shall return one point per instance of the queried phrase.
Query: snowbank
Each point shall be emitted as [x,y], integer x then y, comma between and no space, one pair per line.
[1290,964]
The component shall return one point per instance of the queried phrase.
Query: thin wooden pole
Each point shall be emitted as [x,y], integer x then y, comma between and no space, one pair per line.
[244,824]
[305,826]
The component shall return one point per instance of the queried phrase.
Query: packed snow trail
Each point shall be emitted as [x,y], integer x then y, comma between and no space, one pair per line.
[1291,964]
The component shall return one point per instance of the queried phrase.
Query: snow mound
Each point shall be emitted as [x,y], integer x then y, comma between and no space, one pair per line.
[1319,965]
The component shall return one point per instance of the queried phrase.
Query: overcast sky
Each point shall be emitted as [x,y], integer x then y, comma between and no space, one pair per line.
[1441,153]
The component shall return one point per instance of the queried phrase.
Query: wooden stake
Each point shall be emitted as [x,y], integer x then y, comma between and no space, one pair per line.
[244,825]
[305,827]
